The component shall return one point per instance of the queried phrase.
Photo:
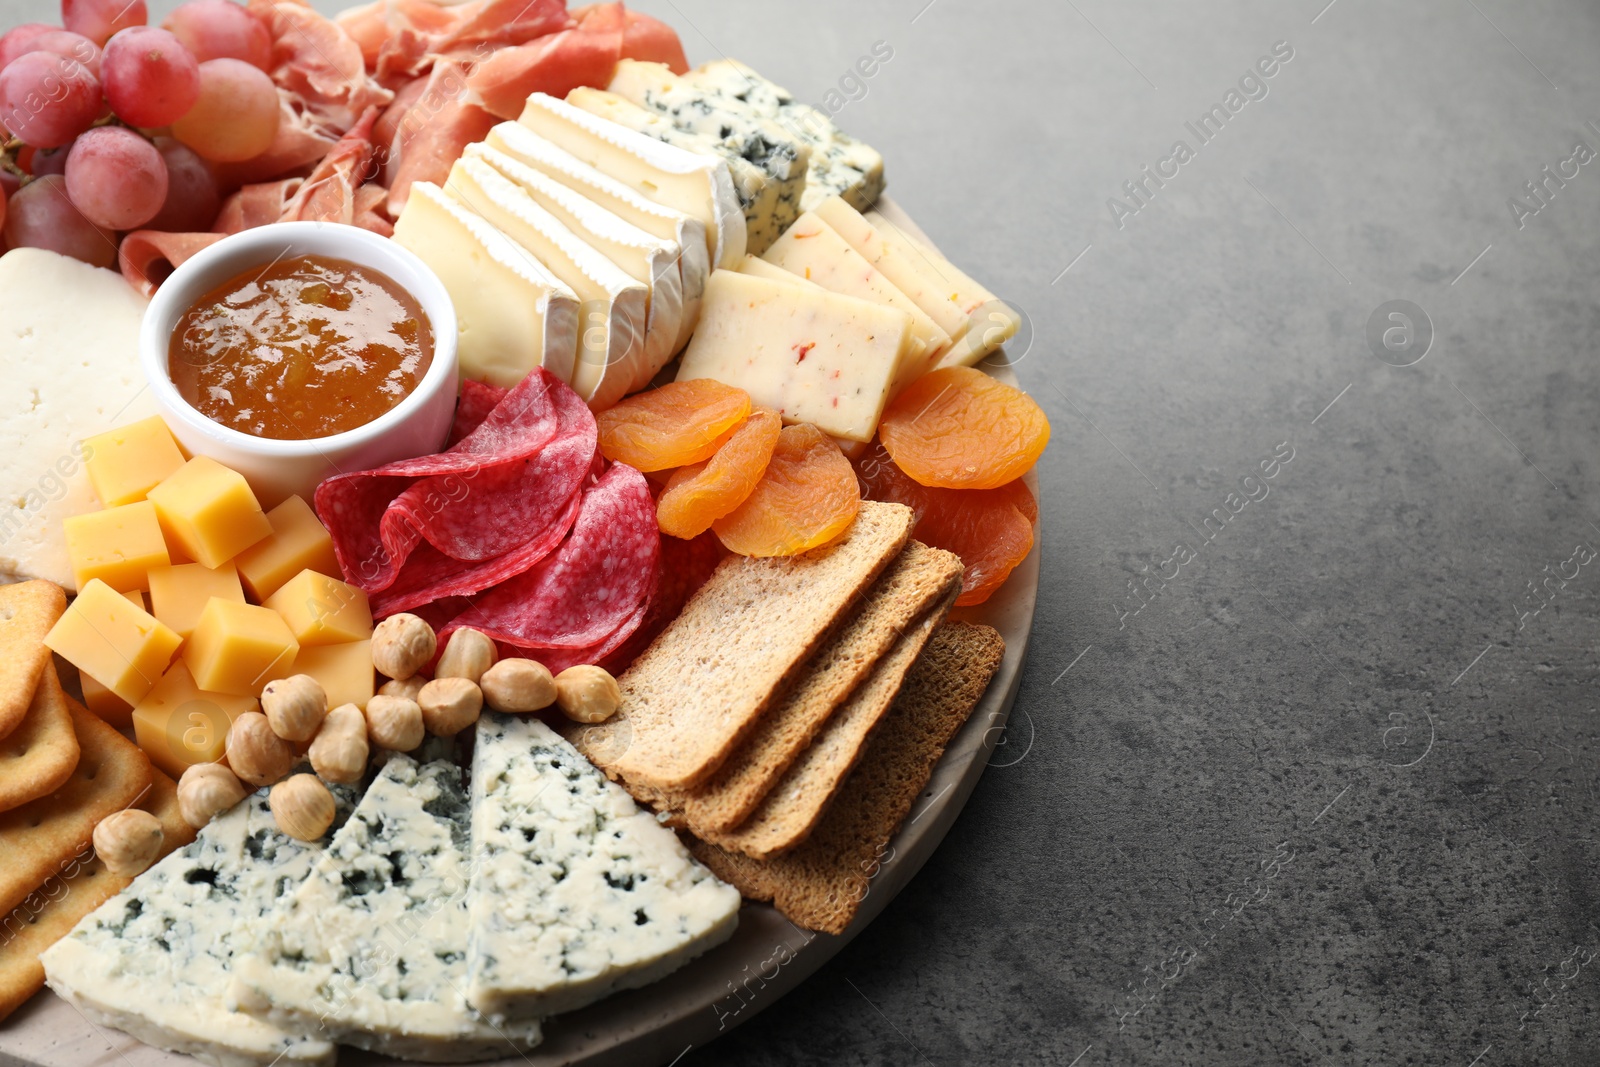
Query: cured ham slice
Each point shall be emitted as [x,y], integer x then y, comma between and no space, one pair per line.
[643,37]
[322,65]
[148,257]
[433,133]
[370,215]
[368,27]
[556,65]
[256,205]
[329,194]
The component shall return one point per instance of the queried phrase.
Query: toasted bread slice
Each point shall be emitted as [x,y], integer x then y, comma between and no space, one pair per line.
[702,686]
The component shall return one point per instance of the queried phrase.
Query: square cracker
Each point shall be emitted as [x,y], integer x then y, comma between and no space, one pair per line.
[38,756]
[27,611]
[821,884]
[51,911]
[46,836]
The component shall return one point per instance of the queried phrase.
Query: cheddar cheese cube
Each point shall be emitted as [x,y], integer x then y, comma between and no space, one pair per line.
[136,598]
[124,648]
[126,463]
[178,724]
[236,648]
[345,672]
[104,703]
[298,542]
[118,545]
[178,594]
[208,511]
[322,610]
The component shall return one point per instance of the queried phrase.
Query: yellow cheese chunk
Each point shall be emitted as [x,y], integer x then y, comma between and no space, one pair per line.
[122,647]
[345,671]
[126,463]
[136,598]
[209,512]
[178,594]
[322,610]
[178,724]
[298,542]
[104,703]
[118,545]
[236,648]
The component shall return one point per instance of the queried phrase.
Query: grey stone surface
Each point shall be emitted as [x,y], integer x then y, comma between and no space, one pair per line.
[1328,796]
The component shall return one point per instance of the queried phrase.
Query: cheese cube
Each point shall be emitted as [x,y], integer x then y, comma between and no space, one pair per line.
[126,463]
[136,598]
[178,594]
[178,724]
[236,648]
[322,610]
[209,512]
[345,672]
[117,546]
[814,356]
[104,703]
[123,647]
[298,541]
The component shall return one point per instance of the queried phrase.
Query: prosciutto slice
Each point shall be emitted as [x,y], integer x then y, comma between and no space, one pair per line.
[148,257]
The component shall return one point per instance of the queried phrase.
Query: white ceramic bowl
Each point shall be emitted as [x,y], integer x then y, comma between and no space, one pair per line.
[276,469]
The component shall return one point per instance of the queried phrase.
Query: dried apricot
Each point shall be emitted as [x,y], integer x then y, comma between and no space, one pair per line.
[807,497]
[958,428]
[990,529]
[702,493]
[677,424]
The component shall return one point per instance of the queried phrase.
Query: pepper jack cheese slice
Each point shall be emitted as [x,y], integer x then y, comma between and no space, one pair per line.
[613,309]
[760,268]
[698,185]
[816,357]
[370,949]
[575,893]
[154,960]
[688,234]
[512,315]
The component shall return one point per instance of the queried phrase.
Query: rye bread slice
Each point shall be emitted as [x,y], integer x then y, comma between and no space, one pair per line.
[913,584]
[703,684]
[790,811]
[821,884]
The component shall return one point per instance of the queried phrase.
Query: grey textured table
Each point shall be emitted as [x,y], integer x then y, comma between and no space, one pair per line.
[1304,767]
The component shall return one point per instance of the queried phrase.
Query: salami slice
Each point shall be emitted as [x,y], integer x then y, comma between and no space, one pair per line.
[685,567]
[556,660]
[477,400]
[589,588]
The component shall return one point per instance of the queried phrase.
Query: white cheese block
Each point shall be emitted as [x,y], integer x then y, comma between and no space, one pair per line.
[370,947]
[696,184]
[614,307]
[840,165]
[575,893]
[69,356]
[813,356]
[641,256]
[155,960]
[512,315]
[991,321]
[760,268]
[686,232]
[739,132]
[811,249]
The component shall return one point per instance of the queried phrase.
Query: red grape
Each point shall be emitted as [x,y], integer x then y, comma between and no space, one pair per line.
[98,20]
[69,44]
[236,116]
[2,209]
[15,41]
[192,197]
[45,161]
[116,178]
[9,182]
[221,29]
[41,215]
[150,78]
[46,100]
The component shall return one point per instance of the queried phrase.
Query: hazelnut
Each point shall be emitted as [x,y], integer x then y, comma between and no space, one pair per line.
[255,753]
[518,685]
[294,706]
[587,693]
[405,687]
[449,705]
[302,807]
[401,645]
[127,841]
[207,790]
[467,655]
[339,751]
[394,723]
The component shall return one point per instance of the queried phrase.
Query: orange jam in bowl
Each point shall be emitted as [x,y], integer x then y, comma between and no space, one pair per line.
[303,347]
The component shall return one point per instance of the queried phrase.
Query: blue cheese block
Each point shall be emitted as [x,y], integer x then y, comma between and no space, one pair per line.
[575,892]
[371,946]
[154,960]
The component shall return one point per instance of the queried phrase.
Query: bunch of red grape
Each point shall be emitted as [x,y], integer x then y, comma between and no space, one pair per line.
[111,125]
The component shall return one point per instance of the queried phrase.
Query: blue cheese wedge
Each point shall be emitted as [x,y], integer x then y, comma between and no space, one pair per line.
[370,948]
[575,892]
[154,961]
[840,165]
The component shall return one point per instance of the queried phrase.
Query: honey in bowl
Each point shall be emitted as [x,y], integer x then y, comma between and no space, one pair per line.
[302,347]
